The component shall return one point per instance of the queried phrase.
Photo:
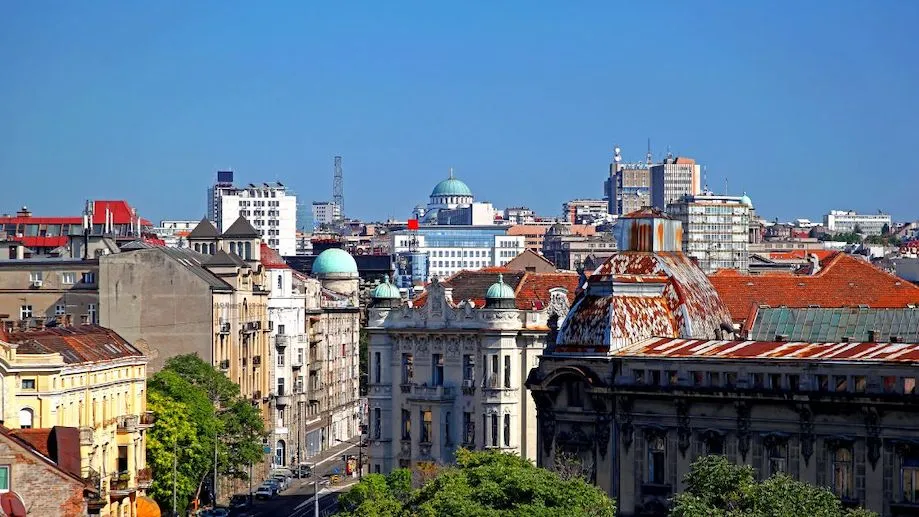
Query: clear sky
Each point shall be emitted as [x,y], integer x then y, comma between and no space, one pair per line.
[807,106]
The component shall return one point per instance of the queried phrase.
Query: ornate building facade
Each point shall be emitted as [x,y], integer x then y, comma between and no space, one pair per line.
[448,370]
[646,375]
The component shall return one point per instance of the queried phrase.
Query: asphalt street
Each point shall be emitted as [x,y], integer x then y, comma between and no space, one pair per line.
[296,500]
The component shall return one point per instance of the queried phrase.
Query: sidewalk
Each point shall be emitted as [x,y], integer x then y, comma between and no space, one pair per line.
[328,457]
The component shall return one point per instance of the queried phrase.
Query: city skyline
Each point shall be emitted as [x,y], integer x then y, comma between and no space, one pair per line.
[526,104]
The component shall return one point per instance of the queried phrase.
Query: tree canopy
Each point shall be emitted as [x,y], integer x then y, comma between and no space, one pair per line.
[195,404]
[715,487]
[486,483]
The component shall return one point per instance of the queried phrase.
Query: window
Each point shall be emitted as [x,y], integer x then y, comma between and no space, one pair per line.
[468,428]
[469,368]
[778,457]
[794,381]
[91,312]
[656,458]
[377,367]
[35,277]
[122,458]
[447,417]
[909,474]
[861,383]
[823,383]
[841,382]
[25,418]
[673,378]
[406,425]
[408,368]
[758,380]
[89,278]
[507,371]
[507,430]
[281,382]
[427,422]
[494,430]
[714,444]
[68,278]
[59,310]
[28,384]
[909,385]
[25,312]
[377,423]
[775,381]
[4,478]
[280,359]
[281,330]
[842,472]
[280,282]
[437,369]
[575,391]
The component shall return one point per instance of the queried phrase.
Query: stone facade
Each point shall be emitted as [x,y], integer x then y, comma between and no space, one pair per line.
[447,374]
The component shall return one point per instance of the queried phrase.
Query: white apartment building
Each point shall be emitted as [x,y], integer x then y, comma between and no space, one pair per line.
[519,215]
[451,249]
[289,346]
[585,211]
[846,221]
[174,233]
[325,212]
[715,229]
[270,208]
[673,179]
[449,371]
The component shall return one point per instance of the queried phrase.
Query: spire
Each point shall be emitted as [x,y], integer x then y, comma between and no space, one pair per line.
[451,173]
[500,278]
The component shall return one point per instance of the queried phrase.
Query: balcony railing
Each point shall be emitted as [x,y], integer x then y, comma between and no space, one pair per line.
[296,362]
[147,419]
[281,341]
[282,401]
[257,360]
[225,365]
[432,393]
[128,423]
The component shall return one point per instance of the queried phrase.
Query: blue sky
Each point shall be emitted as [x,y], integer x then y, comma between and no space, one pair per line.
[807,106]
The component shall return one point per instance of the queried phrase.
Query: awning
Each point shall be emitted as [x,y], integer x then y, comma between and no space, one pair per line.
[147,507]
[12,505]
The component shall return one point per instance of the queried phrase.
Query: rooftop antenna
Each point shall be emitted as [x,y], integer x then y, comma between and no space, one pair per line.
[669,154]
[338,189]
[649,151]
[451,173]
[617,157]
[725,185]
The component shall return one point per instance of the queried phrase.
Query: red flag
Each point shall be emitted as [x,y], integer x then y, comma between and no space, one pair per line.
[413,224]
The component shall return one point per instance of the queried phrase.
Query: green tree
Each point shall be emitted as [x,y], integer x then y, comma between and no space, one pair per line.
[715,487]
[210,409]
[480,484]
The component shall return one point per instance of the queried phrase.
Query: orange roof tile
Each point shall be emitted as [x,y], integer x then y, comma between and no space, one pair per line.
[271,259]
[843,281]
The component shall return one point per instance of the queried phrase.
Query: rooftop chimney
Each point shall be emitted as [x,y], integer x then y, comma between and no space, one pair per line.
[815,263]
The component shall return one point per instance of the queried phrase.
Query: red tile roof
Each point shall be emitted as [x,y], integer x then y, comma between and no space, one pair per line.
[843,281]
[801,254]
[271,259]
[79,344]
[531,289]
[880,352]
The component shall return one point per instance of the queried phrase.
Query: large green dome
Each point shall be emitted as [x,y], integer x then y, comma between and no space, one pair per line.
[334,261]
[451,187]
[499,290]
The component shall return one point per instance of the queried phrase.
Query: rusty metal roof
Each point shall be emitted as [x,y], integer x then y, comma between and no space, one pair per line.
[712,349]
[602,319]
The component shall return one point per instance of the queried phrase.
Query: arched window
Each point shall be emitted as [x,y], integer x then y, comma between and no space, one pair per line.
[197,247]
[213,249]
[842,472]
[25,418]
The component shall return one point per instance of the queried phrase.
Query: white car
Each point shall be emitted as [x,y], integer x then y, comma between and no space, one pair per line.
[265,492]
[283,482]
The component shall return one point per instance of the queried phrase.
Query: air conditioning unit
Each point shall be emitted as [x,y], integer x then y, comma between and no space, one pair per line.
[225,328]
[36,283]
[257,325]
[468,383]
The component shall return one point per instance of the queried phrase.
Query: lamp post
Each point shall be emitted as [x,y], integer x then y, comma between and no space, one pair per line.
[175,464]
[360,455]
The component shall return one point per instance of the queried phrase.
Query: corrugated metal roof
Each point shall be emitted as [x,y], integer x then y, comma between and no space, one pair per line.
[835,324]
[784,350]
[80,344]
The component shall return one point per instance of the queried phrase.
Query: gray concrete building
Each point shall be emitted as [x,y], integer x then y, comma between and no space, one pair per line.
[673,179]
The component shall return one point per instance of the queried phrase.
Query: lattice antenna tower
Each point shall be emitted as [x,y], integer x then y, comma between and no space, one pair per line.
[338,189]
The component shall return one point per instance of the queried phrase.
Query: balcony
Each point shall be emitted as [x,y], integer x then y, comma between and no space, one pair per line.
[224,327]
[432,393]
[144,478]
[120,485]
[281,341]
[128,423]
[256,396]
[282,401]
[315,335]
[86,436]
[147,419]
[256,360]
[468,387]
[225,365]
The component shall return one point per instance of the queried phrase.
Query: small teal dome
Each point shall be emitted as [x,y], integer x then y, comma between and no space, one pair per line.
[334,261]
[745,200]
[499,290]
[451,187]
[386,291]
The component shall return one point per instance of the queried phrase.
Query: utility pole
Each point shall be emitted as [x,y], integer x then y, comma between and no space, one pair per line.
[175,464]
[316,497]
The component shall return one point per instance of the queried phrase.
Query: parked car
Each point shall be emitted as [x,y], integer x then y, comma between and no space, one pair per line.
[266,492]
[304,470]
[274,484]
[283,482]
[239,502]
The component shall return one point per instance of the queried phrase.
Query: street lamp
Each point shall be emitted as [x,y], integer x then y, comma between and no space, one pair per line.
[360,455]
